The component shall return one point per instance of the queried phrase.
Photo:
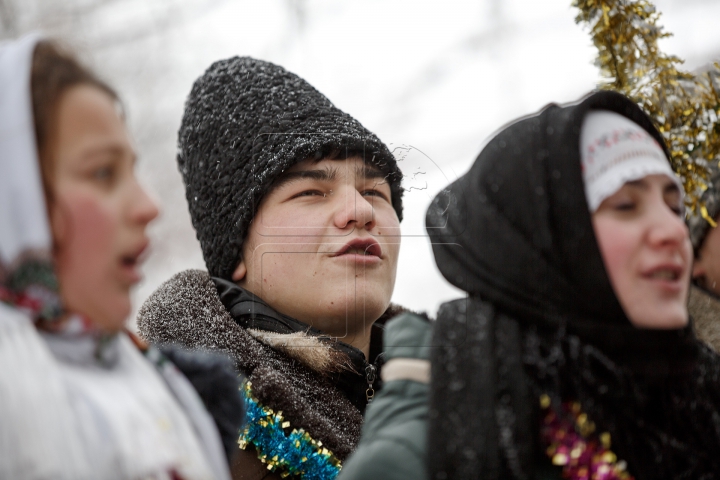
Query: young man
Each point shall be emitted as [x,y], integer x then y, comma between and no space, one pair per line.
[297,209]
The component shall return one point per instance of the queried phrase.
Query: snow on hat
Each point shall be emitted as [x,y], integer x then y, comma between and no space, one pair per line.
[246,121]
[615,150]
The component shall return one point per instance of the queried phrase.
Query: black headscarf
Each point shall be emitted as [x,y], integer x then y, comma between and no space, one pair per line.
[515,232]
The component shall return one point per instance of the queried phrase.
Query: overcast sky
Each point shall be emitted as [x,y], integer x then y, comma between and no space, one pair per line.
[432,79]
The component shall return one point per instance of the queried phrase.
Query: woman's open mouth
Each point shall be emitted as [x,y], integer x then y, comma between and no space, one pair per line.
[130,263]
[668,276]
[665,274]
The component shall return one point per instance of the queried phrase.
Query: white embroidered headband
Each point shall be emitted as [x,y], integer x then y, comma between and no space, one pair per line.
[615,150]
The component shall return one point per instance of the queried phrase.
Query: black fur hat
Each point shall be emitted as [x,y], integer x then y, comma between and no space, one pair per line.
[246,121]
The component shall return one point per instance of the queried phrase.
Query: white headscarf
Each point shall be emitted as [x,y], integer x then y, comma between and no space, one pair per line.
[22,207]
[65,412]
[615,150]
[25,240]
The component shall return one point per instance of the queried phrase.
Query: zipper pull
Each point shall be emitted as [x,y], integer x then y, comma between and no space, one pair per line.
[370,377]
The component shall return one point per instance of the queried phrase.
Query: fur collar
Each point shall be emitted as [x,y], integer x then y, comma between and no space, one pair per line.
[291,372]
[306,349]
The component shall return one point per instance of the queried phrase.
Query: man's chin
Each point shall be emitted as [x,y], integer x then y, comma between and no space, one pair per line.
[361,310]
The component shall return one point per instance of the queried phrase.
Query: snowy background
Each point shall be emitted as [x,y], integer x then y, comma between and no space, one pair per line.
[433,79]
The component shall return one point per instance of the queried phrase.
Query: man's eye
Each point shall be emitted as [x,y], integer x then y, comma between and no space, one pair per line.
[309,193]
[374,193]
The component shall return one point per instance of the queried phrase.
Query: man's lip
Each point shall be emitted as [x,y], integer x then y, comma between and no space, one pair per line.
[368,245]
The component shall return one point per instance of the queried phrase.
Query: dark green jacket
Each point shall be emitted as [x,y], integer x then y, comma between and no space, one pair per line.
[393,443]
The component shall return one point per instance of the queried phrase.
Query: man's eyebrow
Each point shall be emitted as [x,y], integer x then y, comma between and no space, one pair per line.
[328,174]
[368,172]
[322,175]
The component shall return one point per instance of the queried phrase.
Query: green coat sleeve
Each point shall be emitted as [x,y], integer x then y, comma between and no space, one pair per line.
[393,442]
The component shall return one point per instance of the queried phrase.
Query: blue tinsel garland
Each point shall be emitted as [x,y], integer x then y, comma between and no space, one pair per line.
[293,453]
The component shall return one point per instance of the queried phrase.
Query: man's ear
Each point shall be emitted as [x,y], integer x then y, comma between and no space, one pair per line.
[240,272]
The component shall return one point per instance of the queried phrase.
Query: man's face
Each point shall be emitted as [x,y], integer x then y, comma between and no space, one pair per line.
[706,269]
[323,247]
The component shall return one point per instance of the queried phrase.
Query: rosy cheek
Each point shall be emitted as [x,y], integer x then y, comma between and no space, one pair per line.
[615,246]
[85,234]
[90,223]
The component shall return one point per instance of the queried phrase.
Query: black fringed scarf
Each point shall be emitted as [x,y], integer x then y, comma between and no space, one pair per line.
[541,317]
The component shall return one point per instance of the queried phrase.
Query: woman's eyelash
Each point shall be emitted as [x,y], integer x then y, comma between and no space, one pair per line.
[678,210]
[625,206]
[103,173]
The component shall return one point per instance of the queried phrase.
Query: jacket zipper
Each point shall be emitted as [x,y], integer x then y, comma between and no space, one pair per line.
[370,375]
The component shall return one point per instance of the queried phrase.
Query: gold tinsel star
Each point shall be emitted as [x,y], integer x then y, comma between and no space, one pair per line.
[684,106]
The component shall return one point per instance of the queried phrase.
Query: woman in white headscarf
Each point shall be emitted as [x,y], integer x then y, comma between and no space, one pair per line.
[78,400]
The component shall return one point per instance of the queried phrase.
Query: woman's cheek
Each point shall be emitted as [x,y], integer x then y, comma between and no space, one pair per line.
[616,245]
[620,244]
[86,257]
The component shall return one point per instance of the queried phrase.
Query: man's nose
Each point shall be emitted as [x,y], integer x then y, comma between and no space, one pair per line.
[354,208]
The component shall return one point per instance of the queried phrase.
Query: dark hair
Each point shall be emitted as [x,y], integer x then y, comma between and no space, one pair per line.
[329,152]
[55,69]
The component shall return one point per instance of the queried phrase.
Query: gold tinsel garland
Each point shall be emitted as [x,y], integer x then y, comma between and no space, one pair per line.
[684,106]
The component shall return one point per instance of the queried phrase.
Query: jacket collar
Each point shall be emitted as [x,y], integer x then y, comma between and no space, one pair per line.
[357,378]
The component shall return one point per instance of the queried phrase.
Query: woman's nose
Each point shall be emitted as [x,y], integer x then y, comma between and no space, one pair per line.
[144,209]
[668,227]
